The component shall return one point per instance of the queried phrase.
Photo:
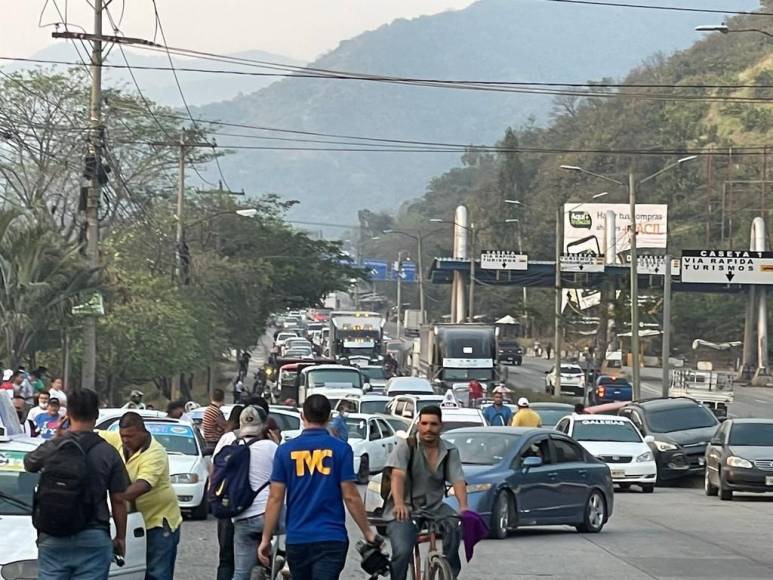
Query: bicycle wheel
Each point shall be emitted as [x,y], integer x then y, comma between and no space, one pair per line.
[412,569]
[437,568]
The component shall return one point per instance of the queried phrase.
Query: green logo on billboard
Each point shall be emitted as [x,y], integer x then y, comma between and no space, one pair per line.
[580,219]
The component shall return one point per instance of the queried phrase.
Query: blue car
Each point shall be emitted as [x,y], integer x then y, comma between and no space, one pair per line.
[610,389]
[520,476]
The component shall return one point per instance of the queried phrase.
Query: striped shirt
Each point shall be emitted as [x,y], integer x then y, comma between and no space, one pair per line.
[213,424]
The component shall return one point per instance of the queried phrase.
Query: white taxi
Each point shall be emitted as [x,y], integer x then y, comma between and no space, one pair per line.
[372,440]
[189,462]
[19,555]
[616,441]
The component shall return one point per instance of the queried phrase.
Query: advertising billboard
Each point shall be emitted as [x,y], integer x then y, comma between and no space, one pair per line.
[585,228]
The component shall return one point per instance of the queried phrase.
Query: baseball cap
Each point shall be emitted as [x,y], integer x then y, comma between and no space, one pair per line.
[54,400]
[523,402]
[251,421]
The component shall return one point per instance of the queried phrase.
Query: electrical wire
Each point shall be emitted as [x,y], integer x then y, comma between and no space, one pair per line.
[657,7]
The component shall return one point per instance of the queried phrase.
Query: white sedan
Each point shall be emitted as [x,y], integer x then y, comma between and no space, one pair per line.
[188,462]
[372,440]
[616,441]
[19,555]
[572,381]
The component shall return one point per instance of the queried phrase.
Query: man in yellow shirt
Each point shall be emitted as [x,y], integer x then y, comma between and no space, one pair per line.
[524,417]
[151,489]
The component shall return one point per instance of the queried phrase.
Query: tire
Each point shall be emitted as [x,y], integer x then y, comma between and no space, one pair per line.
[201,511]
[709,488]
[624,485]
[438,568]
[501,515]
[595,514]
[363,474]
[647,487]
[725,494]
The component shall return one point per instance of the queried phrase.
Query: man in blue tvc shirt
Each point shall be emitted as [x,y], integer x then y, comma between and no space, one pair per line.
[316,472]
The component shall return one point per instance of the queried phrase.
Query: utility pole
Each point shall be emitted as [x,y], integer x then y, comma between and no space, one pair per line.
[557,312]
[180,203]
[471,298]
[634,289]
[666,325]
[89,368]
[420,265]
[399,292]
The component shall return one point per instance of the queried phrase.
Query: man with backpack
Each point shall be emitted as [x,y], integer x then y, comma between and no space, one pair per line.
[241,475]
[151,489]
[316,472]
[79,471]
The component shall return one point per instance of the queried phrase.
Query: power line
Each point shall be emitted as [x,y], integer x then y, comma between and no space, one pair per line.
[656,7]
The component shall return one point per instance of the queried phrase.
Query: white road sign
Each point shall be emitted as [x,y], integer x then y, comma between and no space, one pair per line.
[655,265]
[727,266]
[503,260]
[582,263]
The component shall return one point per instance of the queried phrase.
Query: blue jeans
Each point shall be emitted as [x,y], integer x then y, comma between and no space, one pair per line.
[162,553]
[83,556]
[247,534]
[402,537]
[317,560]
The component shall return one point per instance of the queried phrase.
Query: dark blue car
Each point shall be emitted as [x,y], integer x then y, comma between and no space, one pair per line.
[532,477]
[610,389]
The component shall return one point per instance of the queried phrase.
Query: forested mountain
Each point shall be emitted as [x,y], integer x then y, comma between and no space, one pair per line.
[515,40]
[672,107]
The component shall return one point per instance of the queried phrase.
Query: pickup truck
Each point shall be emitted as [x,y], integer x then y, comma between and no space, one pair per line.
[609,389]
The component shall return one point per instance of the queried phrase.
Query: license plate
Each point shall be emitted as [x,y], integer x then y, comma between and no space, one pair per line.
[701,461]
[618,473]
[769,480]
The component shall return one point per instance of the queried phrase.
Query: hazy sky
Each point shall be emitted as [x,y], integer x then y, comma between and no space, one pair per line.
[299,28]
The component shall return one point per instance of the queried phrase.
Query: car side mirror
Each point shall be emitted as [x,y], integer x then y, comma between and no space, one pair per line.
[716,441]
[529,462]
[649,440]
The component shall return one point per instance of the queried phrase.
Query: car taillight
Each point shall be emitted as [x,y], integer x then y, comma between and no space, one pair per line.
[601,391]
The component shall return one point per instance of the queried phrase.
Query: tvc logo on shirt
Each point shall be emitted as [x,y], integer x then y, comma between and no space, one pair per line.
[311,461]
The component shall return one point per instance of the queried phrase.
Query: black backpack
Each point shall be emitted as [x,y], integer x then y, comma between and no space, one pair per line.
[63,504]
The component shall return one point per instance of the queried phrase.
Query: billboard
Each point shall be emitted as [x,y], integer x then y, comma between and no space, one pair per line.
[585,227]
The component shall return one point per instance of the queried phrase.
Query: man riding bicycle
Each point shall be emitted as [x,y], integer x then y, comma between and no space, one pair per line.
[420,468]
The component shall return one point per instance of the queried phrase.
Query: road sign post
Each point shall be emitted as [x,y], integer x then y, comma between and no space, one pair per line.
[727,267]
[503,260]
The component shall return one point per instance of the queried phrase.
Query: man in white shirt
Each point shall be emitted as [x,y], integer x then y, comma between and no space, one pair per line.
[41,407]
[248,525]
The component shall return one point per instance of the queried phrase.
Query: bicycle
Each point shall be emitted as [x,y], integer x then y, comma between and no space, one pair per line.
[436,566]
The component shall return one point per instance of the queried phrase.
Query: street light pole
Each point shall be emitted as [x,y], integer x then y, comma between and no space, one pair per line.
[420,264]
[399,291]
[471,299]
[557,312]
[634,289]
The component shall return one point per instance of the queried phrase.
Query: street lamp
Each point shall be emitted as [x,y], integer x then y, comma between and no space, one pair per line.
[723,29]
[632,185]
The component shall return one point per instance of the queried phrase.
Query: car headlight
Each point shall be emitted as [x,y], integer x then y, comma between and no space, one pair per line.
[664,446]
[733,461]
[646,456]
[474,488]
[21,570]
[185,478]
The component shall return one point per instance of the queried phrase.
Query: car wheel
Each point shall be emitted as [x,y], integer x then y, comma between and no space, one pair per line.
[201,511]
[725,493]
[364,472]
[501,515]
[595,514]
[709,488]
[647,487]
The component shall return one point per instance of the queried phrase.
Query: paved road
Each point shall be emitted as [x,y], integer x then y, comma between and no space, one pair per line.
[749,401]
[674,533]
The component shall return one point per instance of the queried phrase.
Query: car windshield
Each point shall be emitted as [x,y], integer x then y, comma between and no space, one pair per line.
[757,434]
[482,448]
[680,419]
[467,374]
[420,404]
[177,439]
[16,485]
[374,373]
[605,430]
[571,370]
[550,416]
[449,425]
[286,422]
[371,407]
[358,428]
[345,377]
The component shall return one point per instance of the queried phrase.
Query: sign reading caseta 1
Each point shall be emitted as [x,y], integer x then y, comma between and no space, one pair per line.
[582,263]
[727,266]
[503,260]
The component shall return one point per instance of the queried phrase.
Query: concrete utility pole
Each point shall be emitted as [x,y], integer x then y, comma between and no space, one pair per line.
[89,368]
[634,290]
[471,298]
[399,292]
[666,325]
[557,312]
[179,239]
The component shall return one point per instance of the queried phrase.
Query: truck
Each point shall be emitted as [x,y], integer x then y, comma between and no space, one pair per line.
[509,351]
[451,355]
[712,389]
[356,337]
